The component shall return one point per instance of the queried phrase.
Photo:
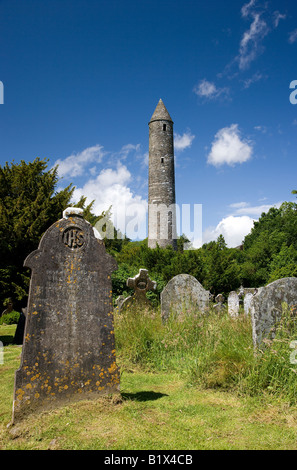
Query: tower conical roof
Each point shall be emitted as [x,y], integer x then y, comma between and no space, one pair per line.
[161,113]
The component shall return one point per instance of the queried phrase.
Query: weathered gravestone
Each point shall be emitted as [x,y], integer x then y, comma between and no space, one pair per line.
[119,300]
[141,283]
[68,350]
[247,303]
[233,304]
[219,306]
[182,293]
[266,306]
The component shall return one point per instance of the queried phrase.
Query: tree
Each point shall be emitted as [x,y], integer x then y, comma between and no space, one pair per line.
[222,271]
[29,204]
[284,264]
[274,229]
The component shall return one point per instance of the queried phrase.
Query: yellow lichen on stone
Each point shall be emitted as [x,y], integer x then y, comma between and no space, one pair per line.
[112,368]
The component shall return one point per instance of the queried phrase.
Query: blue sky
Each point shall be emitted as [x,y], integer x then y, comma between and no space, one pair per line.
[82,78]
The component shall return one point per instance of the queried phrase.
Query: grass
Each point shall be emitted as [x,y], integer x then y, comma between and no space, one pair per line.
[190,383]
[211,350]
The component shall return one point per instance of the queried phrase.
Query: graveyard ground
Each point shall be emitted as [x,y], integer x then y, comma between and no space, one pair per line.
[157,410]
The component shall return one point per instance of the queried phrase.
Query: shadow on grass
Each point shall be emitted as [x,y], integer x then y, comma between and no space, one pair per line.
[6,340]
[143,396]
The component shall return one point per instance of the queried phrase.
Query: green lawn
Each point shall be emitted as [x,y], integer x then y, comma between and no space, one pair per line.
[156,411]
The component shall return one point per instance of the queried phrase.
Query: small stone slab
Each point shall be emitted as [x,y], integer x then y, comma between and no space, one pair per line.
[233,304]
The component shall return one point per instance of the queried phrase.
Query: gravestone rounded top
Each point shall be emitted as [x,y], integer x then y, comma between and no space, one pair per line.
[72,211]
[185,282]
[182,293]
[220,298]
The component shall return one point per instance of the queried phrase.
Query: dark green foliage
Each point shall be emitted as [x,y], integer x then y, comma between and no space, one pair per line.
[29,204]
[10,318]
[266,255]
[284,263]
[222,272]
[119,280]
[214,266]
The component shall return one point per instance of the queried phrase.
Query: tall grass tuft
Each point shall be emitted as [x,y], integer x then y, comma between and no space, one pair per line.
[212,350]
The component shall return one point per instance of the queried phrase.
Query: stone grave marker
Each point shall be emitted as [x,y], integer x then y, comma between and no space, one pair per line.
[247,303]
[233,304]
[266,306]
[68,351]
[141,283]
[183,292]
[219,305]
[119,300]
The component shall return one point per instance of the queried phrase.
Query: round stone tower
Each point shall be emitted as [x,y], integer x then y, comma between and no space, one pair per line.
[161,197]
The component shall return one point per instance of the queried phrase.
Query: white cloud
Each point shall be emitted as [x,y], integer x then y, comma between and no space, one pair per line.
[277,17]
[229,148]
[250,81]
[206,89]
[245,209]
[181,142]
[293,36]
[145,159]
[251,42]
[238,205]
[263,20]
[233,229]
[262,129]
[76,163]
[126,149]
[111,188]
[250,45]
[246,9]
[235,226]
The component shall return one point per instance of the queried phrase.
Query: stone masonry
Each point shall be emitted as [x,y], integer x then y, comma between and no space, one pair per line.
[161,198]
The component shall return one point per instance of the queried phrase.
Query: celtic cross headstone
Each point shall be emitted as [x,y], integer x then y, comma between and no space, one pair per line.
[141,283]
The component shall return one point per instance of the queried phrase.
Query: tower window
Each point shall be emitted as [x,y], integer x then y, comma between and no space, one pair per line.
[164,127]
[162,159]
